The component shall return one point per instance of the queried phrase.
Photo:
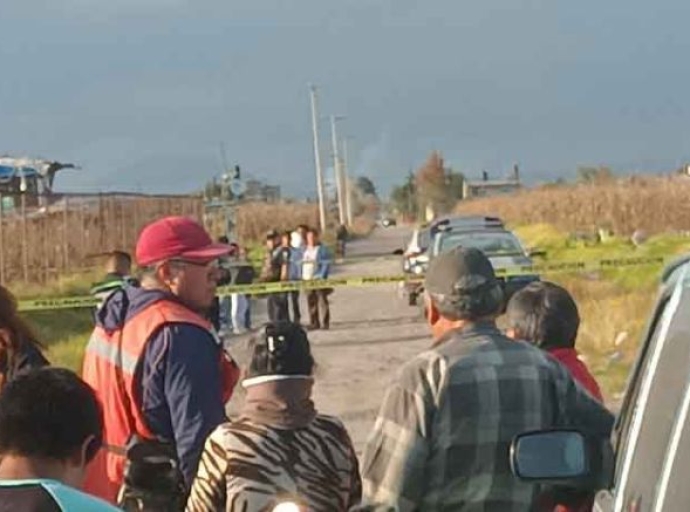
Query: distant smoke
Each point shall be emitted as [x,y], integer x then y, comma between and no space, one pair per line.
[377,160]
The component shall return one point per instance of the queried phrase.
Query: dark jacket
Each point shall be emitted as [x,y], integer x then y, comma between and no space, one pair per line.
[28,357]
[178,377]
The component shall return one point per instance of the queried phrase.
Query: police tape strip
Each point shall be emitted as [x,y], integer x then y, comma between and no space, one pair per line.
[56,303]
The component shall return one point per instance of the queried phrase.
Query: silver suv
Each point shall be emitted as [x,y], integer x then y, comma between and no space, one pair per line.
[502,247]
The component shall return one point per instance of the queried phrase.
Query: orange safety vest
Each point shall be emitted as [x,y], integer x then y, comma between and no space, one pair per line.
[110,362]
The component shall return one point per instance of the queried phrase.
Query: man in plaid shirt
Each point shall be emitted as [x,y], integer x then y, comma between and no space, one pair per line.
[443,435]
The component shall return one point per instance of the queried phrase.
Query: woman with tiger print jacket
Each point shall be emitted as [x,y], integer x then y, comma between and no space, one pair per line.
[280,448]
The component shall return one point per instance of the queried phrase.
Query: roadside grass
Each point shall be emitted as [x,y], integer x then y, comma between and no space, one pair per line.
[614,305]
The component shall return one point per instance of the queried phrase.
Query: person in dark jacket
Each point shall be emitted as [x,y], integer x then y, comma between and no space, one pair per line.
[220,309]
[242,273]
[275,269]
[20,350]
[341,237]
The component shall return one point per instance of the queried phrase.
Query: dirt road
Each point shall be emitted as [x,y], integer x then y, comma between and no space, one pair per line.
[373,332]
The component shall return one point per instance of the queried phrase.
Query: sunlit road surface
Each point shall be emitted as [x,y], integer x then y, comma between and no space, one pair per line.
[373,331]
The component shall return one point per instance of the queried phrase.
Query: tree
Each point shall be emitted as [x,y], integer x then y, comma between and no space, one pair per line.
[437,188]
[404,198]
[366,186]
[594,174]
[455,184]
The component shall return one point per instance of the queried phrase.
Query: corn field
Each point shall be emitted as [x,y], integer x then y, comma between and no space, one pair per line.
[650,204]
[39,244]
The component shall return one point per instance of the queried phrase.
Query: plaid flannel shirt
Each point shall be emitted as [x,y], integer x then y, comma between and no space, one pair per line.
[442,438]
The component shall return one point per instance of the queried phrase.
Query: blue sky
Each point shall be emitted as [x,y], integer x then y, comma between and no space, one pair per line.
[142,92]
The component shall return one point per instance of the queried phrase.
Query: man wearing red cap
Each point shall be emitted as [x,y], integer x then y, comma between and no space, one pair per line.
[154,360]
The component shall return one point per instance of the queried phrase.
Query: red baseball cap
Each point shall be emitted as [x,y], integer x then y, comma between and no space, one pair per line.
[177,237]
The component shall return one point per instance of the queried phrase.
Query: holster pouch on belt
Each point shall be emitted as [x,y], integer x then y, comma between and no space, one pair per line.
[153,481]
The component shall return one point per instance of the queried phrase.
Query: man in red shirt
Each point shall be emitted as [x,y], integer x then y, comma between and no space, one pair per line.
[546,315]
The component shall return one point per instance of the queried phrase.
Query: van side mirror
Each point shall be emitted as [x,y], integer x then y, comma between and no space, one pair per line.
[398,252]
[563,457]
[550,455]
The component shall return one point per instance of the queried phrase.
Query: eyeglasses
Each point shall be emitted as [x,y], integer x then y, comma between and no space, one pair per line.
[213,264]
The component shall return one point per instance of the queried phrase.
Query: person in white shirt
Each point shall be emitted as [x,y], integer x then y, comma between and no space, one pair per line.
[315,265]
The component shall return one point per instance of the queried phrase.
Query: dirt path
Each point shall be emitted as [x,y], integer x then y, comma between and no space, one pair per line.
[373,332]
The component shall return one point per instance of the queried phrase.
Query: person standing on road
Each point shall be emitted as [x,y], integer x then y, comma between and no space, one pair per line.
[275,269]
[245,275]
[341,236]
[545,314]
[224,323]
[315,265]
[51,427]
[280,448]
[443,435]
[296,253]
[242,274]
[154,360]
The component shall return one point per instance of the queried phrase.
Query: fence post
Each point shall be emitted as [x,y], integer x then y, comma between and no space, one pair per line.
[65,233]
[46,247]
[2,241]
[82,233]
[25,249]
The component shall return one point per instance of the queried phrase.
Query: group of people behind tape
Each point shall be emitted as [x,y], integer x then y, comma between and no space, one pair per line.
[145,426]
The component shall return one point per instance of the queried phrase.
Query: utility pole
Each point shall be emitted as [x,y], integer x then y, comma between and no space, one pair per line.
[317,158]
[348,184]
[338,170]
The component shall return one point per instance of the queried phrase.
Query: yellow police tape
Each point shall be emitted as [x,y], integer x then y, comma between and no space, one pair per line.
[52,303]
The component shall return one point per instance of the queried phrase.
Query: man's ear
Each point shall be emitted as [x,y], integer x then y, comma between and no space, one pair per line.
[86,452]
[165,273]
[432,314]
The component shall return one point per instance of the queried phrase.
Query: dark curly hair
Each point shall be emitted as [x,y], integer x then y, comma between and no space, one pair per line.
[19,330]
[282,349]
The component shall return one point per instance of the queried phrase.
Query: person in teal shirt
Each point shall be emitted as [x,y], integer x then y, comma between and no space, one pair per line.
[50,428]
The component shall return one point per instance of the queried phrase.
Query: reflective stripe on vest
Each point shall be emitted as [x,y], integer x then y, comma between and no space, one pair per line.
[109,351]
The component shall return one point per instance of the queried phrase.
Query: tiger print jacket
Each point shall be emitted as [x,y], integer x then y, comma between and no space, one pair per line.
[249,467]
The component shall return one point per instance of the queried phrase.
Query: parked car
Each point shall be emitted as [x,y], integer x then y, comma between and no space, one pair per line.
[502,247]
[465,222]
[388,222]
[485,233]
[415,259]
[644,467]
